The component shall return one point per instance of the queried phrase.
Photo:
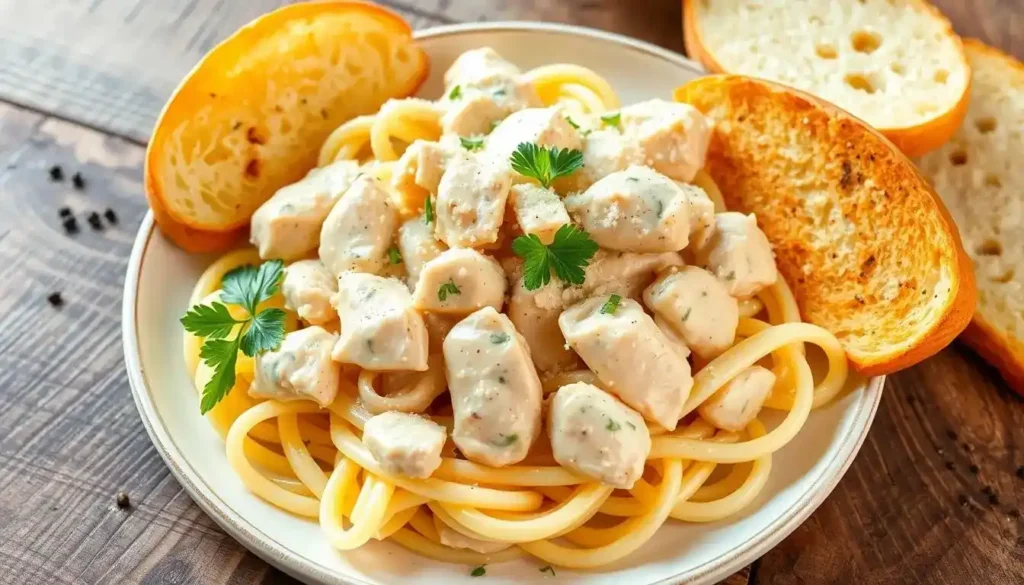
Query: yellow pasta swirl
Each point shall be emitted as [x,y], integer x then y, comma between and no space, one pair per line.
[311,462]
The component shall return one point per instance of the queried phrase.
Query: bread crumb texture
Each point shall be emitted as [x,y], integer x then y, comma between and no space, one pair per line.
[861,239]
[894,63]
[980,177]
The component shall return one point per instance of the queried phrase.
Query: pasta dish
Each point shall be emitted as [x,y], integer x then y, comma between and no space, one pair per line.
[517,320]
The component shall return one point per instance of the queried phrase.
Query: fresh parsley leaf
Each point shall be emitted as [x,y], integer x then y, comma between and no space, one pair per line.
[394,256]
[568,254]
[212,321]
[455,93]
[611,305]
[576,127]
[447,289]
[500,92]
[221,355]
[249,286]
[545,164]
[472,143]
[478,572]
[499,338]
[265,333]
[612,426]
[428,210]
[631,425]
[548,569]
[613,119]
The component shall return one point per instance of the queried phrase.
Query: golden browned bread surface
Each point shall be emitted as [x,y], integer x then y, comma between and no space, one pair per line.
[867,246]
[980,175]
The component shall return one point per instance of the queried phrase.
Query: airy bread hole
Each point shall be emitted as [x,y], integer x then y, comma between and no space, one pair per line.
[825,51]
[990,247]
[941,76]
[958,158]
[859,82]
[897,69]
[1004,277]
[985,125]
[993,180]
[865,41]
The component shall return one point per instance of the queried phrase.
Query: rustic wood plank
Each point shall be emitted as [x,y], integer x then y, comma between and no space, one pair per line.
[70,437]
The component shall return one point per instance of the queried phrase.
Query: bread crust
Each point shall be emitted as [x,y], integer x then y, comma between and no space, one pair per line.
[181,230]
[822,285]
[915,140]
[993,345]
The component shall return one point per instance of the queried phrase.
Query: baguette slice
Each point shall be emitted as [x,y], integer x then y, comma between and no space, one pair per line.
[252,114]
[869,250]
[895,63]
[980,176]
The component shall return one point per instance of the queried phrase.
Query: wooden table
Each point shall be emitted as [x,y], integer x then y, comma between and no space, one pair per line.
[934,497]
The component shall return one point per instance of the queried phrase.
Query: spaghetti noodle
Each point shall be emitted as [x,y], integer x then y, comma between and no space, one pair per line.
[310,461]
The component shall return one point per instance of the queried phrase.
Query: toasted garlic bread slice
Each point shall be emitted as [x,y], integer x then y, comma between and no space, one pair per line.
[871,253]
[980,177]
[896,64]
[251,116]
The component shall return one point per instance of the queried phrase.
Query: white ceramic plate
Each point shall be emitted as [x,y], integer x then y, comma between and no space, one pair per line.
[157,287]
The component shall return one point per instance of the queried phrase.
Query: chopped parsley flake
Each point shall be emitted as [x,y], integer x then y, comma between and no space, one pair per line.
[428,210]
[611,305]
[448,289]
[548,569]
[614,119]
[394,256]
[479,571]
[505,440]
[612,426]
[472,143]
[455,93]
[499,338]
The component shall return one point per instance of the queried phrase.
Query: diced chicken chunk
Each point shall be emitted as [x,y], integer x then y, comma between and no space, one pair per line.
[476,66]
[541,126]
[496,393]
[455,539]
[358,231]
[702,214]
[418,172]
[301,368]
[737,403]
[308,289]
[739,254]
[417,244]
[629,354]
[405,444]
[535,313]
[539,211]
[471,202]
[672,136]
[482,72]
[698,306]
[675,339]
[380,329]
[637,210]
[606,151]
[595,435]
[472,115]
[287,226]
[460,280]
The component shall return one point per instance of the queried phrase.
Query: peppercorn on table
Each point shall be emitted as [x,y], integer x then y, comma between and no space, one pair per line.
[935,495]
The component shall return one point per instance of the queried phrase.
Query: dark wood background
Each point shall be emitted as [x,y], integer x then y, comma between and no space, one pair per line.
[935,496]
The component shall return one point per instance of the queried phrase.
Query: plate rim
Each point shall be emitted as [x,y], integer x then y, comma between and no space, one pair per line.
[284,559]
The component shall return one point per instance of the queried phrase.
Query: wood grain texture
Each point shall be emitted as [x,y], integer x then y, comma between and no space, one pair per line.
[934,496]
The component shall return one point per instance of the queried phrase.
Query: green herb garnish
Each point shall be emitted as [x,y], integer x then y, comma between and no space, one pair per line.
[568,254]
[428,210]
[499,338]
[455,93]
[612,119]
[576,127]
[247,287]
[472,143]
[447,289]
[548,569]
[611,305]
[545,164]
[506,440]
[478,572]
[394,256]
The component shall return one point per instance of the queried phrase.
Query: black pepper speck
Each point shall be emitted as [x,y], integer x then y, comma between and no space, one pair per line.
[56,173]
[110,215]
[123,501]
[973,469]
[55,299]
[94,221]
[70,225]
[64,212]
[78,181]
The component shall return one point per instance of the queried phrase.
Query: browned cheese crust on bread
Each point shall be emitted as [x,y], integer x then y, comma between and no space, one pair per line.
[871,253]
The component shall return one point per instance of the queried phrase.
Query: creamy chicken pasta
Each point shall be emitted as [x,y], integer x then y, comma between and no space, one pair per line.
[516,320]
